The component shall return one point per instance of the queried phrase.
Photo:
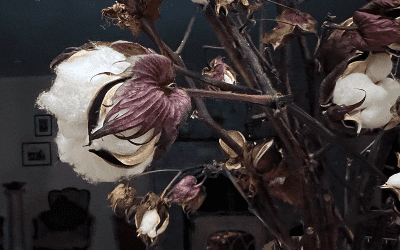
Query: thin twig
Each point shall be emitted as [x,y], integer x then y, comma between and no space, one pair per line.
[220,84]
[338,27]
[213,47]
[265,100]
[185,38]
[282,5]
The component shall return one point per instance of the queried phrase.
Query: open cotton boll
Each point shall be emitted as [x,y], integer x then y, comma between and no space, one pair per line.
[392,86]
[376,116]
[69,98]
[348,91]
[379,67]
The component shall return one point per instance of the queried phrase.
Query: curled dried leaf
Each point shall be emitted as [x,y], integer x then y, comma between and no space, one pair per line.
[289,22]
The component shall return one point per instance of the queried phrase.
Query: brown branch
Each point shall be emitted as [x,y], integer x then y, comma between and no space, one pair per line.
[332,138]
[265,100]
[185,38]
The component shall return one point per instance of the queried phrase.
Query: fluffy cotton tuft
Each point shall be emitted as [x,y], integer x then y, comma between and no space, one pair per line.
[348,91]
[69,99]
[394,180]
[379,67]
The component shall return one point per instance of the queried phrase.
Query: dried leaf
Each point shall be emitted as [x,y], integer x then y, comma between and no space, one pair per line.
[387,8]
[338,44]
[151,9]
[375,32]
[286,185]
[289,22]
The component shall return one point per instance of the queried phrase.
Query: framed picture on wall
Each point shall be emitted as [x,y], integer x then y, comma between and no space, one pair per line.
[36,154]
[43,125]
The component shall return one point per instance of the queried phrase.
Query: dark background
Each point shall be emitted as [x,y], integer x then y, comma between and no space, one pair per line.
[33,32]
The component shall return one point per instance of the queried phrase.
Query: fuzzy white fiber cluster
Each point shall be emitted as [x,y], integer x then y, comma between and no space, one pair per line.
[69,99]
[381,92]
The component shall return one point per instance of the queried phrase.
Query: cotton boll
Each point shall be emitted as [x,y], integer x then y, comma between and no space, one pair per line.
[69,98]
[348,91]
[392,86]
[379,67]
[376,116]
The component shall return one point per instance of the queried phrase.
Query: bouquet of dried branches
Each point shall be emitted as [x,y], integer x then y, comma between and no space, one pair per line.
[132,116]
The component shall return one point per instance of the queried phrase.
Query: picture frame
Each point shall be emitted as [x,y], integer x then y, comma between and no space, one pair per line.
[36,154]
[43,125]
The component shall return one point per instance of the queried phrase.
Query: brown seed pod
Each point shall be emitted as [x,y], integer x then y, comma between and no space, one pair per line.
[266,156]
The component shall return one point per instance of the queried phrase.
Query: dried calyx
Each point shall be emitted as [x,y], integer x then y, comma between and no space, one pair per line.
[262,156]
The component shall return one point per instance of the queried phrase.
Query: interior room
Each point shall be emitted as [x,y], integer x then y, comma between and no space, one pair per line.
[37,182]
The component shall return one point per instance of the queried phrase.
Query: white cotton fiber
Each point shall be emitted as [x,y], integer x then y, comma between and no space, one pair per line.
[392,86]
[69,99]
[394,180]
[379,67]
[347,91]
[376,116]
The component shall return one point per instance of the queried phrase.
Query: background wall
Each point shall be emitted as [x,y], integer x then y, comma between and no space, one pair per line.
[34,32]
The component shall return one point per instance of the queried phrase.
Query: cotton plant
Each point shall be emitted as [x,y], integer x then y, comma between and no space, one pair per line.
[119,109]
